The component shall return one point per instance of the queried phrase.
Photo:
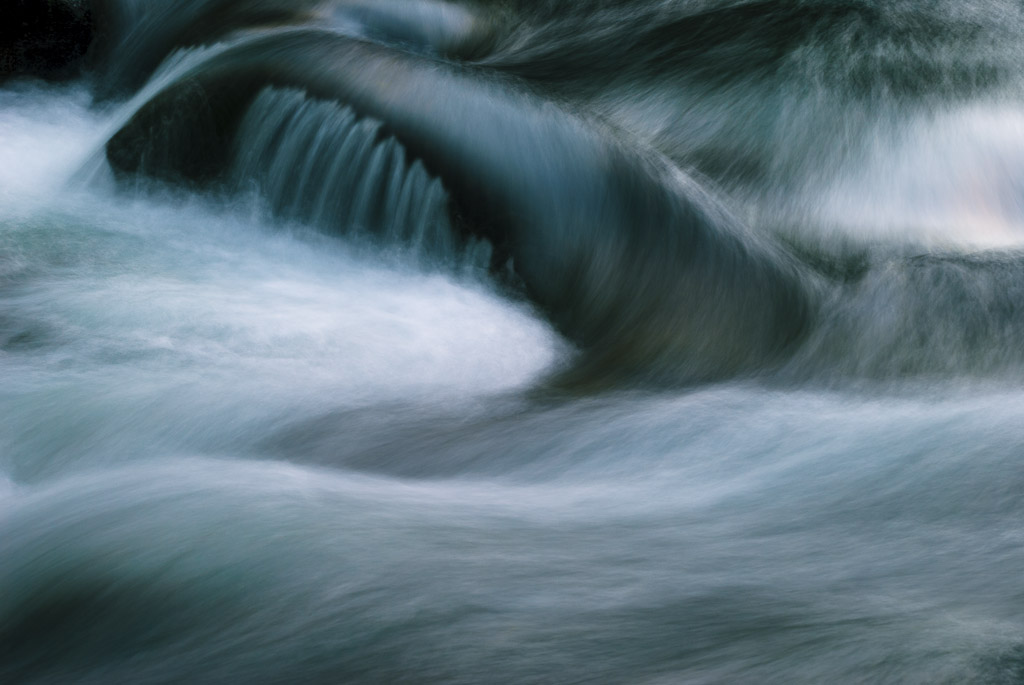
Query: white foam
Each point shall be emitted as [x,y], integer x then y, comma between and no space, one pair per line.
[139,317]
[957,176]
[43,130]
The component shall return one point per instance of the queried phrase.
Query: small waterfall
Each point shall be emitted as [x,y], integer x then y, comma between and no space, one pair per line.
[318,163]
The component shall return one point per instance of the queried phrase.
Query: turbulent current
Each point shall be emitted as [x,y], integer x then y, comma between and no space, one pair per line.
[590,341]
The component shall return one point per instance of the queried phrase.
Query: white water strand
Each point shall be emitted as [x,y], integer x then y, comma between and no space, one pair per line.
[92,170]
[317,162]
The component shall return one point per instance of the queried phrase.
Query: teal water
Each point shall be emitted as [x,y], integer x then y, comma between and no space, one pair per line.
[236,449]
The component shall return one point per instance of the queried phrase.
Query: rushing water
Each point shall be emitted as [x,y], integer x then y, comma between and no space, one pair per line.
[291,424]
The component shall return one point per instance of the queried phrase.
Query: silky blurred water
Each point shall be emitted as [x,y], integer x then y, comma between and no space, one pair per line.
[235,449]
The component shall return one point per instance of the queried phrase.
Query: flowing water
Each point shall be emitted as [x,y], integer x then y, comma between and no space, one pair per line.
[295,426]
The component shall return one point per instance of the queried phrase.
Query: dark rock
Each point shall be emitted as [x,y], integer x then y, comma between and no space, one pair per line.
[44,38]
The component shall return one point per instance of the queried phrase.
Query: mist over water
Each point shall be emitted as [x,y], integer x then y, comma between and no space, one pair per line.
[298,406]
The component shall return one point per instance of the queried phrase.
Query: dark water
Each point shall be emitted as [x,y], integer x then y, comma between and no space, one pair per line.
[601,342]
